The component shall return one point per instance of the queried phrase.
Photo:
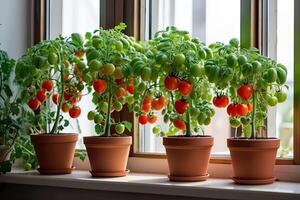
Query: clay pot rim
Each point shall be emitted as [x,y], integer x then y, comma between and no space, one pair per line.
[188,141]
[262,143]
[54,138]
[121,140]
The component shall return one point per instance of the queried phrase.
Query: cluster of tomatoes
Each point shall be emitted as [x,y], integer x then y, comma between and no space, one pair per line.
[236,109]
[156,103]
[172,83]
[41,95]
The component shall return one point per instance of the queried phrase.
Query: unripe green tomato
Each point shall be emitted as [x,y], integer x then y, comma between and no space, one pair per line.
[179,59]
[202,53]
[235,122]
[242,60]
[103,106]
[130,100]
[232,60]
[234,42]
[156,130]
[281,96]
[194,113]
[81,65]
[27,166]
[207,121]
[118,106]
[120,128]
[197,70]
[95,65]
[201,118]
[52,58]
[98,118]
[91,115]
[245,120]
[271,100]
[256,66]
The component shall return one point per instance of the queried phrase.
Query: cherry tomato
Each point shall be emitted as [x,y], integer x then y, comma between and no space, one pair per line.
[65,107]
[119,81]
[179,124]
[99,85]
[232,110]
[171,82]
[152,119]
[120,128]
[245,91]
[184,88]
[120,92]
[79,53]
[130,88]
[67,96]
[158,103]
[147,100]
[250,107]
[179,59]
[242,109]
[281,96]
[146,107]
[47,85]
[41,95]
[34,104]
[55,98]
[75,111]
[143,119]
[108,68]
[181,106]
[221,102]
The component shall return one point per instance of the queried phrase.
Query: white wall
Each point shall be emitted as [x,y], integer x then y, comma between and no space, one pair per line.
[15,28]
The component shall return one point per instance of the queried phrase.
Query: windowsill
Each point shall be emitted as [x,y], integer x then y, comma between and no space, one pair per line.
[158,184]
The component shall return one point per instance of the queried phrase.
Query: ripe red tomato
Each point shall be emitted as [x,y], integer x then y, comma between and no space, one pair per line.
[119,81]
[221,102]
[55,98]
[47,85]
[185,88]
[75,111]
[99,85]
[147,100]
[181,106]
[146,107]
[120,92]
[171,82]
[67,96]
[79,53]
[65,107]
[41,95]
[158,103]
[179,124]
[34,104]
[231,110]
[152,119]
[242,109]
[245,91]
[130,88]
[143,119]
[250,107]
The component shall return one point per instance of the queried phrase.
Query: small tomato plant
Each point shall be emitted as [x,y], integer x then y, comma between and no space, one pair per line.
[246,83]
[173,82]
[108,74]
[48,78]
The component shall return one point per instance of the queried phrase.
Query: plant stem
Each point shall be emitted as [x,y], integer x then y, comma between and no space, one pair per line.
[188,123]
[107,121]
[253,131]
[60,99]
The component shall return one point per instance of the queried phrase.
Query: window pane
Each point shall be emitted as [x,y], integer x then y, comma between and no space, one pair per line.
[285,55]
[76,16]
[200,19]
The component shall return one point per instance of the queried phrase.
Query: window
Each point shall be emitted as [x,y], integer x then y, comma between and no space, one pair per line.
[75,16]
[201,20]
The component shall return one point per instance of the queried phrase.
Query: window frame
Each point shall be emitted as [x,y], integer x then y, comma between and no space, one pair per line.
[252,24]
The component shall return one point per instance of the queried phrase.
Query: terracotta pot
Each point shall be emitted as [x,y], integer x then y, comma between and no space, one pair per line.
[4,154]
[188,157]
[55,152]
[253,160]
[108,155]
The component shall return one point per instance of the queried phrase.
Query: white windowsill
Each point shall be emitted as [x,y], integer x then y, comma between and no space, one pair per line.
[158,184]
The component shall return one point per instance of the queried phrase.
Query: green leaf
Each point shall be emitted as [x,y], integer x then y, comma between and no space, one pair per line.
[8,91]
[128,125]
[66,123]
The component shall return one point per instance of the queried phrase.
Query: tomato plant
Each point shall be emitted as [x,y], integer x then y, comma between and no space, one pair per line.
[110,78]
[250,81]
[171,74]
[49,76]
